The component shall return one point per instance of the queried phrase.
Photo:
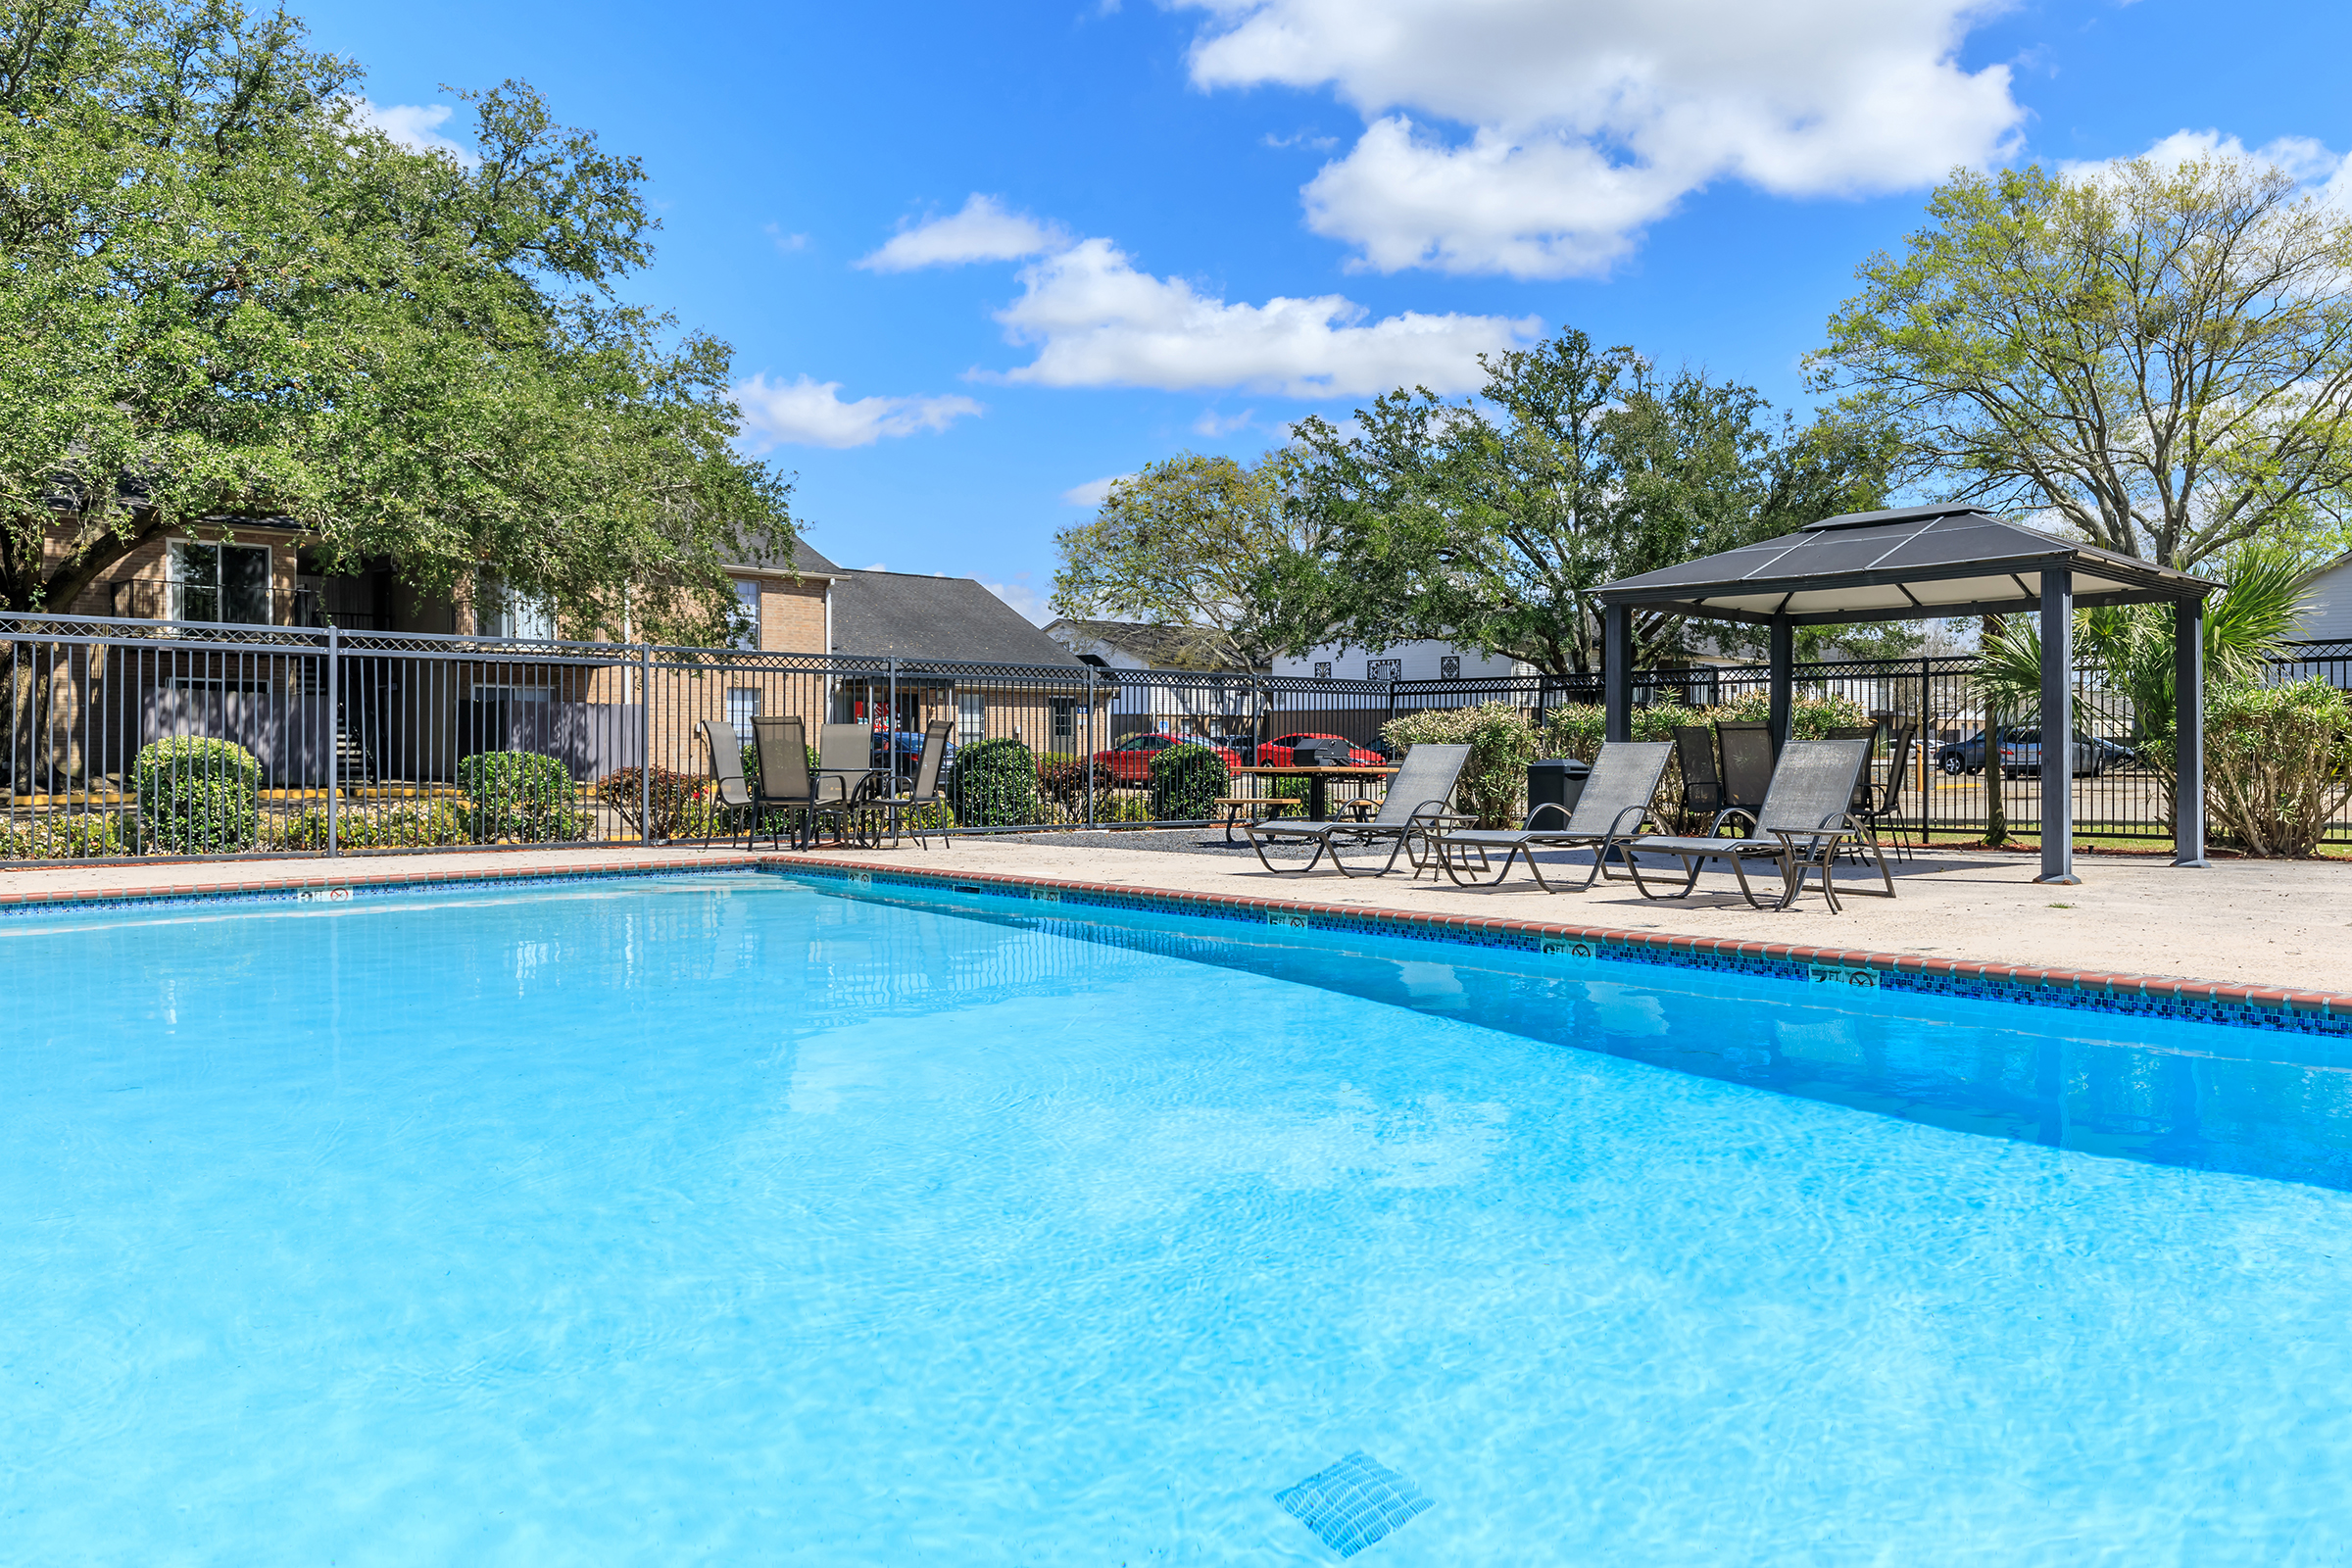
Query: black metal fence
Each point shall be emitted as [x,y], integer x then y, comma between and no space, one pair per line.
[139,737]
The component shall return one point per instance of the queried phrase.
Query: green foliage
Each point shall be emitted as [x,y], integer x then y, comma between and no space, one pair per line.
[1128,806]
[674,796]
[223,284]
[1502,741]
[1185,543]
[1182,783]
[2278,764]
[1491,524]
[409,825]
[2157,353]
[198,796]
[521,795]
[81,836]
[993,784]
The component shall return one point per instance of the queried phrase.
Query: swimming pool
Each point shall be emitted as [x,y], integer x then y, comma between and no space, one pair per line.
[731,1219]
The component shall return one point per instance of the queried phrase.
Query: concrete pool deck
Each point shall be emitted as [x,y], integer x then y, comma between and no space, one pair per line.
[2253,923]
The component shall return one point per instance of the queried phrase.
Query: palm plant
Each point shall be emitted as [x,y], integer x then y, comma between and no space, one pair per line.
[2245,625]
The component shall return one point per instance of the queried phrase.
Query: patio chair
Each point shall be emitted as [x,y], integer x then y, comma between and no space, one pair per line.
[787,792]
[848,784]
[1702,780]
[1614,804]
[1748,759]
[926,790]
[1884,805]
[1807,815]
[1414,809]
[726,772]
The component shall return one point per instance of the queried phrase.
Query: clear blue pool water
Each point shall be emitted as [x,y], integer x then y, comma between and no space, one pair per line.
[729,1220]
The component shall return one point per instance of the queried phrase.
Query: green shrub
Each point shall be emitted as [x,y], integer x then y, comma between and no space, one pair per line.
[522,796]
[376,827]
[1184,782]
[674,796]
[1125,806]
[1501,741]
[198,796]
[2278,764]
[993,784]
[83,836]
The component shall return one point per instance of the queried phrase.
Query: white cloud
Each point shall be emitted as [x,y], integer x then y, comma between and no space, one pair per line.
[981,230]
[786,244]
[1212,423]
[415,126]
[1091,494]
[1021,596]
[1587,120]
[2306,162]
[814,413]
[1098,321]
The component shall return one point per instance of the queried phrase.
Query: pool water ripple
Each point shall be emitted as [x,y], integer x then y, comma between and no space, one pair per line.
[731,1220]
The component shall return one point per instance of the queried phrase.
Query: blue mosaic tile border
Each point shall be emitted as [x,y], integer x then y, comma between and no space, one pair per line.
[333,892]
[2233,1014]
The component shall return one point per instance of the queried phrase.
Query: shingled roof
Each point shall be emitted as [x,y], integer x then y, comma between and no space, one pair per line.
[943,621]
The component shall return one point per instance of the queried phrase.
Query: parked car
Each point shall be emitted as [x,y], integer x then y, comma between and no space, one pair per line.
[1276,752]
[2021,753]
[1130,759]
[909,744]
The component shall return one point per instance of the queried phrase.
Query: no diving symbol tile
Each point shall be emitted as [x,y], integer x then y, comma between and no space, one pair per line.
[1569,947]
[1837,974]
[1352,1505]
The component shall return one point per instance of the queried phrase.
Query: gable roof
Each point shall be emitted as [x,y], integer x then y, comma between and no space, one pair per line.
[1903,564]
[935,620]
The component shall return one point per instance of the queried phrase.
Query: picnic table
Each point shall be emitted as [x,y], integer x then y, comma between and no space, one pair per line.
[1318,789]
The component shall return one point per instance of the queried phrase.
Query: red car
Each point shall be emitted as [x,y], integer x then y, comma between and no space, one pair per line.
[1131,759]
[1276,752]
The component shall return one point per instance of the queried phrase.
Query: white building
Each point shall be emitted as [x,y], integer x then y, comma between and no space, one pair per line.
[2328,607]
[1415,660]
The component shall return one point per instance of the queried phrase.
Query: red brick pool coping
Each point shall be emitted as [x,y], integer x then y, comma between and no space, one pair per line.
[1175,899]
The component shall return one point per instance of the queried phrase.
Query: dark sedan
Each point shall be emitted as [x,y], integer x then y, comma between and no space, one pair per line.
[2021,753]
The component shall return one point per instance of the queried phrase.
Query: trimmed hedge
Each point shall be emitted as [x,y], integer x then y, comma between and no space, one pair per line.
[523,796]
[84,836]
[377,827]
[1184,782]
[2278,764]
[198,796]
[1502,744]
[993,784]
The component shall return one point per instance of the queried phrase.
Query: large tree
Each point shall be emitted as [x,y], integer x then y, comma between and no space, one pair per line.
[1490,523]
[227,299]
[2160,354]
[1196,542]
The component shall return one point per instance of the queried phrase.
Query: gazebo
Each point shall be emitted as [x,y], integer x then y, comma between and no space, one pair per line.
[1913,564]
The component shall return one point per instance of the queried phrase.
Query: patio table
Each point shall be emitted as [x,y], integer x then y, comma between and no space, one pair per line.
[1318,782]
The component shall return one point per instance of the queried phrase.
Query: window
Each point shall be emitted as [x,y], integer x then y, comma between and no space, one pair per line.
[498,611]
[1323,669]
[219,582]
[1449,666]
[971,718]
[743,706]
[1064,717]
[1384,670]
[747,602]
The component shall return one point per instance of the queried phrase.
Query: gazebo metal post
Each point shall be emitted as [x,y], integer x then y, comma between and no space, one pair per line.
[1782,661]
[1617,673]
[2189,731]
[2058,723]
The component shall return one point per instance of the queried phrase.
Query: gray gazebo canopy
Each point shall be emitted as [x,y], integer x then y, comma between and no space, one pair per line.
[1914,563]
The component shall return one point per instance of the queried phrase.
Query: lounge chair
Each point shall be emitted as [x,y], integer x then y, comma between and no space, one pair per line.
[1614,806]
[726,772]
[926,790]
[1702,780]
[1415,808]
[1806,816]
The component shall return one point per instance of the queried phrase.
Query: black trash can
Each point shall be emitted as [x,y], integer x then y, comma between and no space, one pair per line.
[1555,781]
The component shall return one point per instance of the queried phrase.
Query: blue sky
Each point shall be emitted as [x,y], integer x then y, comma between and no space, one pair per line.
[975,259]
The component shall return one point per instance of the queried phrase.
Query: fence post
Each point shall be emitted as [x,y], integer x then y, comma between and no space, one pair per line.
[334,733]
[1087,756]
[645,745]
[890,735]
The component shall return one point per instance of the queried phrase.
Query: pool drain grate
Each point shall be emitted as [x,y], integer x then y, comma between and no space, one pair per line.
[1352,1505]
